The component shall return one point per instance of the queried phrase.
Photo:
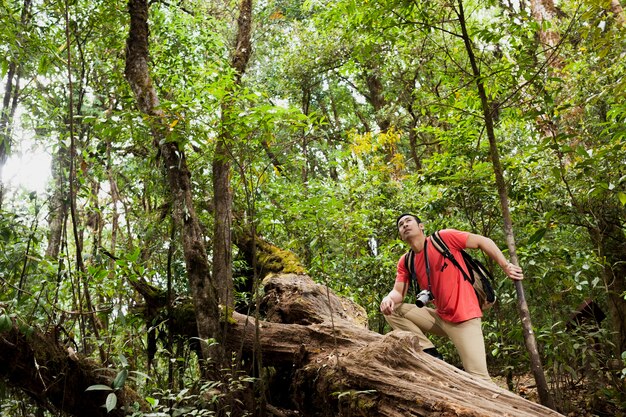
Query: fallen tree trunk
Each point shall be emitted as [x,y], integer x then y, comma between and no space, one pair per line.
[326,363]
[56,378]
[339,367]
[320,346]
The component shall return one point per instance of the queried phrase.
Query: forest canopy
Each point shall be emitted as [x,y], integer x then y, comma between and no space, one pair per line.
[198,147]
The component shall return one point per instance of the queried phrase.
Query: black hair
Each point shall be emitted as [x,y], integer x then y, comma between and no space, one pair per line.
[407,214]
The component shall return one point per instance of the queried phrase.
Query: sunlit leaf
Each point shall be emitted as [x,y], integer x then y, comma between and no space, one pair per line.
[99,387]
[111,402]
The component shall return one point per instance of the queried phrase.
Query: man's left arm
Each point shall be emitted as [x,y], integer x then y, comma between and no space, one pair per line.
[491,249]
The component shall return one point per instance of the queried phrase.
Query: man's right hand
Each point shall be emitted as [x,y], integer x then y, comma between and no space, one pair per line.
[387,306]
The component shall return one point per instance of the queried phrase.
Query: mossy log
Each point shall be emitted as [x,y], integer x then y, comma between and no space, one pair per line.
[56,378]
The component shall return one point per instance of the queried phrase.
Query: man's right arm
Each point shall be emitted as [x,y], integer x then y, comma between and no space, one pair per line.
[395,297]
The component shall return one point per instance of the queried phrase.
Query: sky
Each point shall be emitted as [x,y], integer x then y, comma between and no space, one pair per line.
[29,163]
[28,167]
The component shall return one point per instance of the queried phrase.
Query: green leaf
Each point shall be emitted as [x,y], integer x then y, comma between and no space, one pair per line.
[111,402]
[5,323]
[27,330]
[99,387]
[622,198]
[120,379]
[123,361]
[141,374]
[581,151]
[537,236]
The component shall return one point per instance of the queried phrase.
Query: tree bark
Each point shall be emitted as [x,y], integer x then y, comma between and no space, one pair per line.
[542,11]
[179,178]
[58,202]
[268,258]
[376,96]
[6,123]
[618,12]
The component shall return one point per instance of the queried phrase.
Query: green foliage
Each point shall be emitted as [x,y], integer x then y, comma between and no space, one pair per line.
[199,399]
[350,113]
[118,383]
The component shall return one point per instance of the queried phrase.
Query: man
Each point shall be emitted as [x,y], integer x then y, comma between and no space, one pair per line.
[457,314]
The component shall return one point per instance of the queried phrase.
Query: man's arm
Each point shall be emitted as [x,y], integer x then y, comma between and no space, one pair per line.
[491,249]
[388,304]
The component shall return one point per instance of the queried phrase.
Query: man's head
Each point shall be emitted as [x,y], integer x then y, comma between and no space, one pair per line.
[409,225]
[400,217]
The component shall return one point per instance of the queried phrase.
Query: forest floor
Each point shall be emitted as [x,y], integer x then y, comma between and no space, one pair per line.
[581,400]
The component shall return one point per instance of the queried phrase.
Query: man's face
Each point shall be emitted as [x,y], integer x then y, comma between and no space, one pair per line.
[408,226]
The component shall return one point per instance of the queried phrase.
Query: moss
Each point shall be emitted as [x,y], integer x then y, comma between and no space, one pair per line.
[184,318]
[275,259]
[226,315]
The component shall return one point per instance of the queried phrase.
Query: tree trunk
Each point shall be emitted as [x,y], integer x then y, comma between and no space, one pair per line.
[179,178]
[529,336]
[339,368]
[413,138]
[376,96]
[81,273]
[58,202]
[267,257]
[223,196]
[542,11]
[618,12]
[6,124]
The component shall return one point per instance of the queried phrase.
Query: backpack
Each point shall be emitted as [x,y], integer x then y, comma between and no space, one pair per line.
[479,276]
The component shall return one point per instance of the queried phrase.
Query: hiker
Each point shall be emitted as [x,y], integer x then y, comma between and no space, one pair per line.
[457,314]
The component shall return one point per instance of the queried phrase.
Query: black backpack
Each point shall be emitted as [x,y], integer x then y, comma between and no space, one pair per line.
[479,276]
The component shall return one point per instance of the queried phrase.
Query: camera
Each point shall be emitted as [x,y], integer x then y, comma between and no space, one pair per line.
[423,298]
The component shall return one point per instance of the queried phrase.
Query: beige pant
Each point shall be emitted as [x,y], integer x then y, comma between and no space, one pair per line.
[467,336]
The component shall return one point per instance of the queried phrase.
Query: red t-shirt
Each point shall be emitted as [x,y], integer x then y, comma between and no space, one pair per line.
[455,299]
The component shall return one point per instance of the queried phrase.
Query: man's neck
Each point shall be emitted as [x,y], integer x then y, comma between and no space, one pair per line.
[417,243]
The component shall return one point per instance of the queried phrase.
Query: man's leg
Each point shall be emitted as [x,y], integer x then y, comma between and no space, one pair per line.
[416,320]
[468,339]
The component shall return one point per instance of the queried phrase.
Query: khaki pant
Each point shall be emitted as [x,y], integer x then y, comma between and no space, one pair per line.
[467,336]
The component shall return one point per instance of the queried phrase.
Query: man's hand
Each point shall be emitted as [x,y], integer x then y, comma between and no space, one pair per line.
[513,271]
[387,306]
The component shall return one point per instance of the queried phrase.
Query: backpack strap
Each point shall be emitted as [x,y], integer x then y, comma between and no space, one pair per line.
[441,246]
[409,264]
